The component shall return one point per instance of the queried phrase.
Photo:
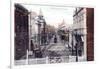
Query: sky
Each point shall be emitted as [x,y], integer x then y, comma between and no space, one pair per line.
[53,15]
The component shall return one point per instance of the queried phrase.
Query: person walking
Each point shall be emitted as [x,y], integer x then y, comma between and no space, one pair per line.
[55,39]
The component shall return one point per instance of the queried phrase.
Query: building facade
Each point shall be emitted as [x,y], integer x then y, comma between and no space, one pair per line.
[83,26]
[80,32]
[33,31]
[21,31]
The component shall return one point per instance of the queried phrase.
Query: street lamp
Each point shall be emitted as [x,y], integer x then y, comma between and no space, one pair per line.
[76,45]
[74,34]
[72,43]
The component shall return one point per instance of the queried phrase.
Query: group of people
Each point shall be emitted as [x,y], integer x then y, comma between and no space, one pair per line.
[64,38]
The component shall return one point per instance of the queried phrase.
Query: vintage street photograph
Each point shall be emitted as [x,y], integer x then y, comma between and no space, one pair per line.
[46,34]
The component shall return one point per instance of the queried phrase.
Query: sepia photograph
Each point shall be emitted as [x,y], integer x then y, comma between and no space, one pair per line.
[47,34]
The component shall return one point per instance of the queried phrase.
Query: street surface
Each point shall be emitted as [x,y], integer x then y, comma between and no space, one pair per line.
[54,53]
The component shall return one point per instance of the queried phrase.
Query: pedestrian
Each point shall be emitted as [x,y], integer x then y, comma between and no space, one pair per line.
[32,46]
[63,38]
[55,39]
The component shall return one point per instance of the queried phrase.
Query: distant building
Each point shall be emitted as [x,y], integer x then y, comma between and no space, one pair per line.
[62,26]
[33,26]
[21,31]
[42,36]
[37,32]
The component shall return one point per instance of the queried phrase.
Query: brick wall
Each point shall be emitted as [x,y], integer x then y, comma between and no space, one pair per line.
[90,34]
